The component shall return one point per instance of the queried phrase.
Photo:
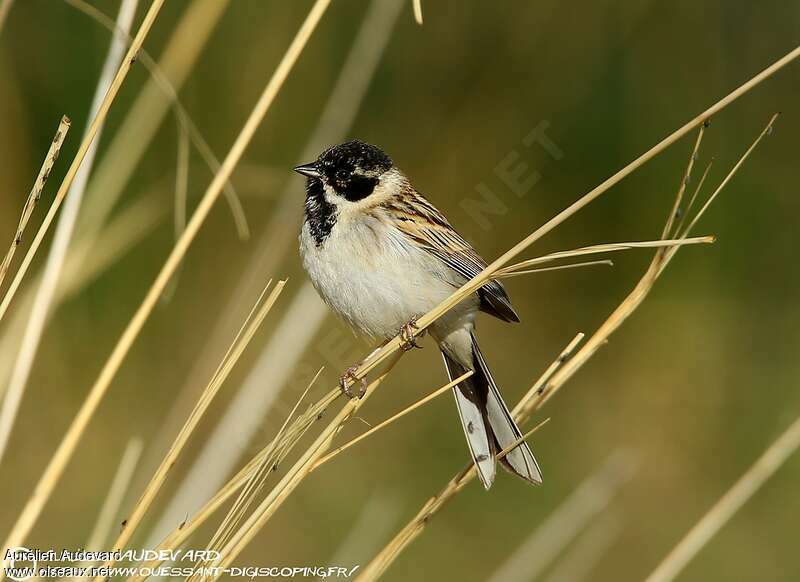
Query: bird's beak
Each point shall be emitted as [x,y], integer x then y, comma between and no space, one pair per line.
[309,170]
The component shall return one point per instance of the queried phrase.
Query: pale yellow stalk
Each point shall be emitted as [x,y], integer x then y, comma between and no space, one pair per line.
[36,192]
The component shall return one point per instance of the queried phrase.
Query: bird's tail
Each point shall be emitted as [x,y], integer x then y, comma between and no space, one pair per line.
[487,422]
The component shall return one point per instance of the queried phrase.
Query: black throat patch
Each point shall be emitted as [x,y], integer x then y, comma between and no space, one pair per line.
[320,214]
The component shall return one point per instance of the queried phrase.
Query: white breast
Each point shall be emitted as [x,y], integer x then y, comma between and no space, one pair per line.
[372,276]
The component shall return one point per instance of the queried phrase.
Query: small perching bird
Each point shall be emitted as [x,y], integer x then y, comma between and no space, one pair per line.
[381,255]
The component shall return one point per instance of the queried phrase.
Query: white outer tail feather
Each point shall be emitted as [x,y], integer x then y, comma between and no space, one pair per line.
[480,442]
[502,428]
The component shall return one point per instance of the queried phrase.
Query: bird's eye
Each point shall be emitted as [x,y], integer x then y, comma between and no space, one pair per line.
[341,174]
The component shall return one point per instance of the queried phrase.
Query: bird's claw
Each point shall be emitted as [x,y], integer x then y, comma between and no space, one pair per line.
[350,380]
[408,335]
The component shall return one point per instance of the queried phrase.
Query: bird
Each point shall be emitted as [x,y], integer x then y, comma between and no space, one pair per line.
[380,255]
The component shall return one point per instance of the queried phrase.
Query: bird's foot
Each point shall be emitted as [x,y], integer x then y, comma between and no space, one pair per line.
[409,334]
[349,380]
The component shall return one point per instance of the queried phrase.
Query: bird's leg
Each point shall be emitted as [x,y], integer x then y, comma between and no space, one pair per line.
[408,335]
[349,380]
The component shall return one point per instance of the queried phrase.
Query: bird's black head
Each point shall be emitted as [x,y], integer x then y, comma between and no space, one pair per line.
[351,170]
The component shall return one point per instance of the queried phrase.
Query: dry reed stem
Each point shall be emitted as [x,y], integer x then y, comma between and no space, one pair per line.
[722,511]
[685,213]
[538,386]
[684,182]
[46,291]
[391,419]
[418,11]
[180,200]
[479,280]
[239,344]
[547,388]
[602,248]
[70,441]
[297,473]
[598,263]
[522,439]
[97,121]
[36,192]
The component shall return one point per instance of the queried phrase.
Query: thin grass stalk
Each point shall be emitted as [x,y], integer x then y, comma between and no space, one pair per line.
[733,500]
[70,441]
[417,11]
[684,182]
[45,294]
[600,249]
[36,192]
[540,396]
[685,213]
[522,439]
[598,263]
[240,343]
[97,122]
[565,354]
[180,200]
[297,473]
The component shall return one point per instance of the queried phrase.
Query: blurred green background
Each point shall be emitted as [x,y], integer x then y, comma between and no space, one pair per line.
[693,387]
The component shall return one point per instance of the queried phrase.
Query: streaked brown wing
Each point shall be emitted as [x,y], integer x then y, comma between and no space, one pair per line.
[429,229]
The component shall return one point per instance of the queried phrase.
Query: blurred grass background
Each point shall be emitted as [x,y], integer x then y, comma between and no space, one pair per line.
[695,385]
